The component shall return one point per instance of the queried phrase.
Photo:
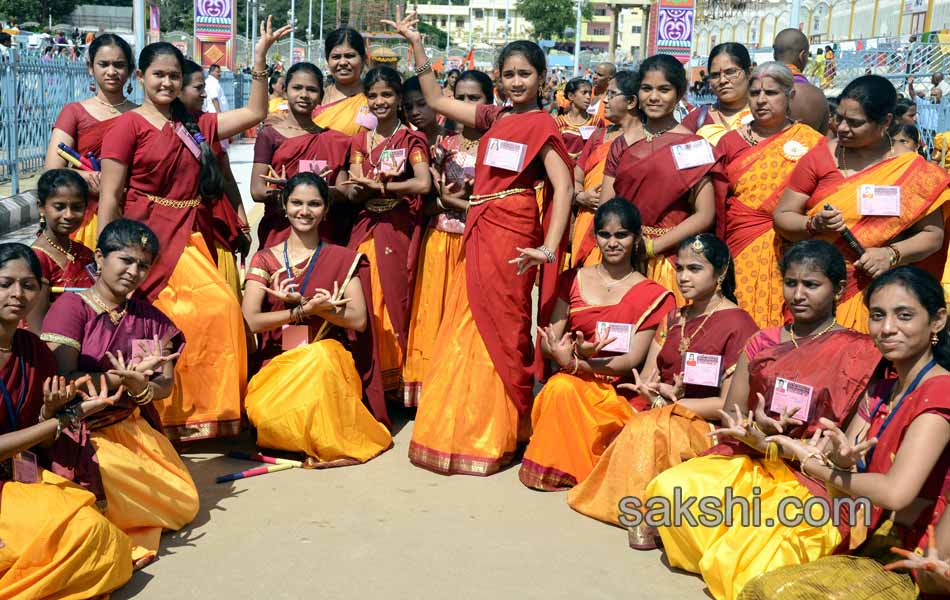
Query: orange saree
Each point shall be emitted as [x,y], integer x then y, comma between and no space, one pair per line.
[574,417]
[592,160]
[925,188]
[757,178]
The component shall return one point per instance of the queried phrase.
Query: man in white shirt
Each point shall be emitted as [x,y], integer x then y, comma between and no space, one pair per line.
[215,101]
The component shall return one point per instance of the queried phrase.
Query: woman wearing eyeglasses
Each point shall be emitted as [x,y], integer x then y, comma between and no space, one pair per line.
[729,66]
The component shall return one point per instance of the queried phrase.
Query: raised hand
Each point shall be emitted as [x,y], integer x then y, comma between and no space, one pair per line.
[738,427]
[134,381]
[153,358]
[268,37]
[323,301]
[95,401]
[930,561]
[286,292]
[57,393]
[840,450]
[561,348]
[405,26]
[770,425]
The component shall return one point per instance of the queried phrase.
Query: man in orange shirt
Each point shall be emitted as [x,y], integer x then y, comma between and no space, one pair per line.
[603,73]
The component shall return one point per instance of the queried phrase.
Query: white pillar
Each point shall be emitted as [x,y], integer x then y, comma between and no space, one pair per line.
[577,41]
[795,14]
[138,24]
[293,26]
[309,29]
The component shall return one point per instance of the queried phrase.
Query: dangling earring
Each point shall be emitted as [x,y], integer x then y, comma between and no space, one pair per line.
[934,340]
[42,222]
[128,88]
[92,88]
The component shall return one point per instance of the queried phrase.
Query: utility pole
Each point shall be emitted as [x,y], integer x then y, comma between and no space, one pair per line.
[577,41]
[293,26]
[247,34]
[794,16]
[321,24]
[309,29]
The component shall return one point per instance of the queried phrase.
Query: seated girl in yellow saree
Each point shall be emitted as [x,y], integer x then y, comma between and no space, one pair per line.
[813,353]
[55,543]
[103,330]
[601,328]
[893,204]
[309,299]
[894,452]
[700,340]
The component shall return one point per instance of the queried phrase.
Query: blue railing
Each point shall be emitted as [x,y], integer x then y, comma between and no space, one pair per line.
[34,90]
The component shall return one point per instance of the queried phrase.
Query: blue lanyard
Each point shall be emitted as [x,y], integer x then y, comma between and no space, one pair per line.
[313,262]
[864,464]
[13,411]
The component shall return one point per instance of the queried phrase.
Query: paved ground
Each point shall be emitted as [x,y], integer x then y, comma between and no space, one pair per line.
[388,529]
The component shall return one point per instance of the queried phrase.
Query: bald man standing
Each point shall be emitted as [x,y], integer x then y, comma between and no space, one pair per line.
[600,79]
[809,104]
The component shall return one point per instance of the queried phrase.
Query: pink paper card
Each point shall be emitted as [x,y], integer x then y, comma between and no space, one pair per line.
[294,336]
[789,394]
[311,166]
[879,200]
[701,369]
[392,162]
[366,119]
[622,332]
[505,155]
[189,141]
[586,131]
[142,348]
[24,468]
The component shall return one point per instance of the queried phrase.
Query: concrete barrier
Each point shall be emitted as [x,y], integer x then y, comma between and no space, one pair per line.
[18,211]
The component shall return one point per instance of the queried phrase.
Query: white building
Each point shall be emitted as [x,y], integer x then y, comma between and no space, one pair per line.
[478,23]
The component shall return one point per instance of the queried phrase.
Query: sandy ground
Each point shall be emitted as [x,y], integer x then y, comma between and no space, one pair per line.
[387,529]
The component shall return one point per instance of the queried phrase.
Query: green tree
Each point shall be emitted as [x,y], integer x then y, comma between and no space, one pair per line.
[433,35]
[551,17]
[38,11]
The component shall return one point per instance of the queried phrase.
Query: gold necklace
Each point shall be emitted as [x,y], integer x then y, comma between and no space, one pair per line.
[113,108]
[67,252]
[114,315]
[611,283]
[686,341]
[467,144]
[791,332]
[650,136]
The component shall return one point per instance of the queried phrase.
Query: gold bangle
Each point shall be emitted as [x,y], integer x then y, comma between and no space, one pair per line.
[897,255]
[140,394]
[648,245]
[145,397]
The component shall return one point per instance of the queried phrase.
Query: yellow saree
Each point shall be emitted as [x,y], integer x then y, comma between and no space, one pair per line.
[757,178]
[341,115]
[925,188]
[56,544]
[713,132]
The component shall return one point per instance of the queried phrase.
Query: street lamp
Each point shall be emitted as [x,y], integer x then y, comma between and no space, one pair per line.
[577,41]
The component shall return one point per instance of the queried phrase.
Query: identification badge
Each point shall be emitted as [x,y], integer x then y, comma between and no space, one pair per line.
[693,154]
[592,109]
[586,131]
[879,200]
[311,166]
[621,332]
[142,348]
[392,161]
[294,336]
[789,394]
[366,119]
[91,269]
[24,468]
[189,141]
[505,155]
[702,369]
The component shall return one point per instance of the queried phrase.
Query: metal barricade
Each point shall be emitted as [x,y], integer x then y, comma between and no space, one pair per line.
[32,92]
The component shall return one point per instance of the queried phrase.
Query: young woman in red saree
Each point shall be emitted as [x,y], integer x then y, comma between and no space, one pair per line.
[306,296]
[106,330]
[674,418]
[344,107]
[55,542]
[479,390]
[895,451]
[388,176]
[728,66]
[578,411]
[452,171]
[812,354]
[292,145]
[228,226]
[83,125]
[759,158]
[66,263]
[576,125]
[823,197]
[160,169]
[622,111]
[672,175]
